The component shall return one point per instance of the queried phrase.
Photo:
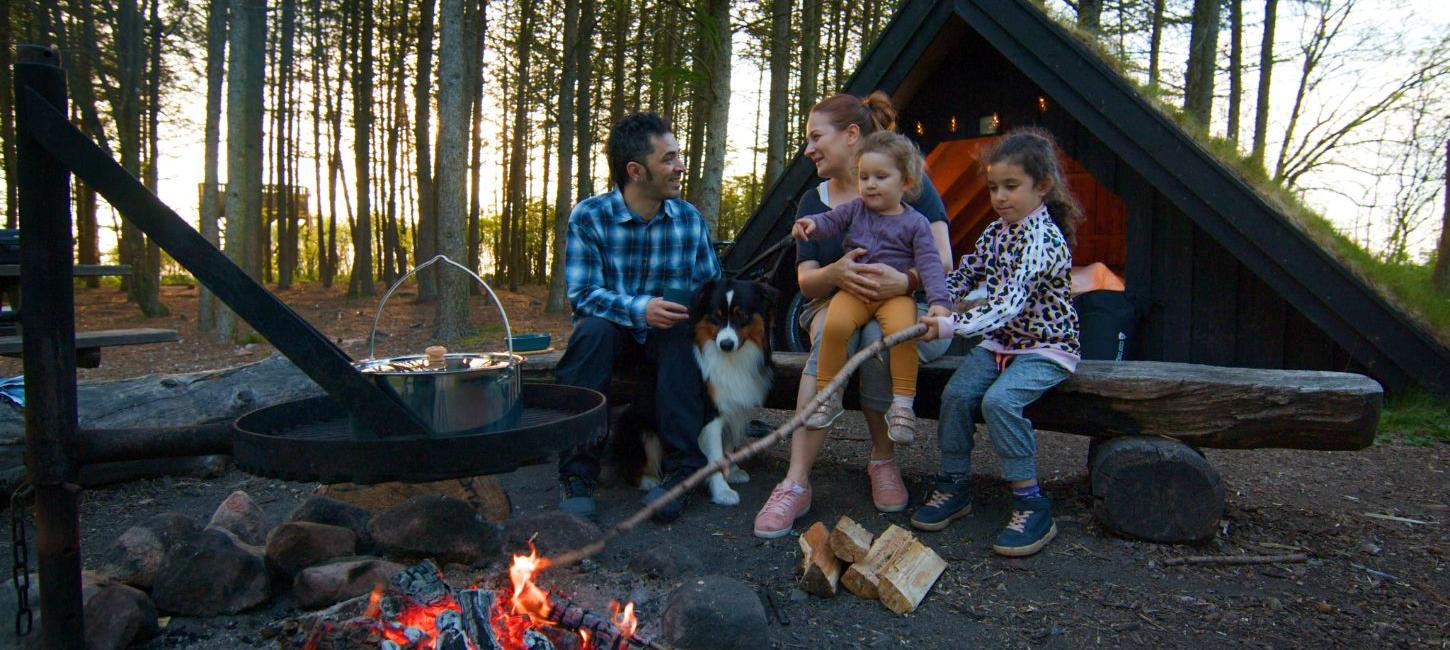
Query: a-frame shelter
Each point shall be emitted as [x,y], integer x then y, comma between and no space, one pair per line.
[1225,278]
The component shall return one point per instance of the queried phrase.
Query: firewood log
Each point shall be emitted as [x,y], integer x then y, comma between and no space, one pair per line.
[908,576]
[850,541]
[820,570]
[862,577]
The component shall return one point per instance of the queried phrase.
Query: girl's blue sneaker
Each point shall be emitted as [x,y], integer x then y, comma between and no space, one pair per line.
[1030,528]
[949,500]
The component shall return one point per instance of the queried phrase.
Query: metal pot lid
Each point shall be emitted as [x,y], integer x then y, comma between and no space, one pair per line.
[455,362]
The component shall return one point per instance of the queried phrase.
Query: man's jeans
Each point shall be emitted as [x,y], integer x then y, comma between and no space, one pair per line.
[596,348]
[977,388]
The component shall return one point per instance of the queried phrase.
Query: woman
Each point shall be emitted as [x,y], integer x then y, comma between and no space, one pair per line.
[835,128]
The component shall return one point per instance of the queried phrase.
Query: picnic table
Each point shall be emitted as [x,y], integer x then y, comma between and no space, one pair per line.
[88,344]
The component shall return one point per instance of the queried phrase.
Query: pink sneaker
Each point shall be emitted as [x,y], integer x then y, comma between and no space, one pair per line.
[887,490]
[787,503]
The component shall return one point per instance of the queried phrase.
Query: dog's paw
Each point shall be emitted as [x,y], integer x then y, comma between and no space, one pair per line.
[738,475]
[725,497]
[647,483]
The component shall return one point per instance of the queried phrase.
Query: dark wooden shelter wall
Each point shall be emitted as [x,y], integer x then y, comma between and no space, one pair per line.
[1200,304]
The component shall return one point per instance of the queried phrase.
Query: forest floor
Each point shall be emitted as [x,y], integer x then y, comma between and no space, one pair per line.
[1375,524]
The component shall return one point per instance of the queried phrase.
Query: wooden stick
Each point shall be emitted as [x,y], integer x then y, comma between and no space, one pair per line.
[722,465]
[1237,559]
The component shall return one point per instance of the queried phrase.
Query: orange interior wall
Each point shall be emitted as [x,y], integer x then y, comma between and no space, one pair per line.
[1102,237]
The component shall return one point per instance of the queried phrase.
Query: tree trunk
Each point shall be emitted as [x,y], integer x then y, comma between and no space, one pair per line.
[1155,41]
[1090,15]
[319,84]
[362,111]
[619,36]
[88,250]
[453,113]
[216,46]
[1235,68]
[126,108]
[425,234]
[397,81]
[1202,50]
[563,202]
[286,207]
[479,28]
[245,73]
[810,57]
[148,280]
[781,53]
[1440,279]
[1266,68]
[518,206]
[719,114]
[584,114]
[7,119]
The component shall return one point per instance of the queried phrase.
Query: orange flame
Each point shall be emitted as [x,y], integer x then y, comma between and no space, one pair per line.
[583,638]
[623,619]
[528,597]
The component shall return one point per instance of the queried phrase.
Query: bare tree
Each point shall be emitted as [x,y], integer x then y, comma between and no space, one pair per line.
[1235,67]
[1155,41]
[245,74]
[563,202]
[216,47]
[453,113]
[718,116]
[1266,69]
[781,51]
[425,233]
[1202,51]
[362,119]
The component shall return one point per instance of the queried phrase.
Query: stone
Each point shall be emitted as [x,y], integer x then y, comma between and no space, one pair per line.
[243,517]
[327,584]
[333,512]
[296,545]
[553,532]
[714,612]
[211,572]
[134,557]
[483,492]
[438,527]
[91,584]
[666,561]
[117,616]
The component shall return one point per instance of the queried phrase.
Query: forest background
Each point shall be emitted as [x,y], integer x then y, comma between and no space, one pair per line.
[351,139]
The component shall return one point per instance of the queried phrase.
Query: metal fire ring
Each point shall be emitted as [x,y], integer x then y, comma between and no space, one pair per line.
[313,440]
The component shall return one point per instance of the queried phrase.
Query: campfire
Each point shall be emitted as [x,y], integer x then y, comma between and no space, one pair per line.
[418,610]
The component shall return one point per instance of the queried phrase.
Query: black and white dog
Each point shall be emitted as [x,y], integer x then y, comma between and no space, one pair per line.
[731,322]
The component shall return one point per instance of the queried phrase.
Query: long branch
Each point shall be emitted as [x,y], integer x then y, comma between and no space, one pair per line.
[740,454]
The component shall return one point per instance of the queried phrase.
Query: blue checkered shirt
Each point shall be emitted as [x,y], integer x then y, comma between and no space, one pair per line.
[616,261]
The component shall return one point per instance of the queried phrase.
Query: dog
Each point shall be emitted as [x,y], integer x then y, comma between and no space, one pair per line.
[731,324]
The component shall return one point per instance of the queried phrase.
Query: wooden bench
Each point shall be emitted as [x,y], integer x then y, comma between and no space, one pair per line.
[89,344]
[1148,420]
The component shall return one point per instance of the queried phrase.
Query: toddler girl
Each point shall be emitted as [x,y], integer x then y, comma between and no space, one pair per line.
[892,233]
[1029,331]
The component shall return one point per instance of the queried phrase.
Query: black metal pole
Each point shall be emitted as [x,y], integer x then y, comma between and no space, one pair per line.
[47,323]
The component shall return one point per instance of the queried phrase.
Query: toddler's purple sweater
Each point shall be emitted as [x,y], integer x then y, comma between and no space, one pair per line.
[900,241]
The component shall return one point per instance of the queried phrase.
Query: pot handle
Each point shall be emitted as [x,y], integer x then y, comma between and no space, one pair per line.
[508,332]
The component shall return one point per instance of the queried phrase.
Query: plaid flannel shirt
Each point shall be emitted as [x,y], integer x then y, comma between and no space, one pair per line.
[616,261]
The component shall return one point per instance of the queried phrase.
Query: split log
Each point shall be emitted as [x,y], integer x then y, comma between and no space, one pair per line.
[1156,489]
[820,570]
[909,576]
[1208,406]
[849,541]
[863,578]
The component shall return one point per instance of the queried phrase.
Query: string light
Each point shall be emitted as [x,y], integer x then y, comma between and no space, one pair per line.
[920,130]
[953,127]
[1041,103]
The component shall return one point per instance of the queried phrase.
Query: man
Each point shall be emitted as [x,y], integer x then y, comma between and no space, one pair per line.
[627,248]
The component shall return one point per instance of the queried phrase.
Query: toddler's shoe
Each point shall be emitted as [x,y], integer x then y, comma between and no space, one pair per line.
[787,502]
[950,499]
[901,424]
[1030,528]
[887,490]
[826,413]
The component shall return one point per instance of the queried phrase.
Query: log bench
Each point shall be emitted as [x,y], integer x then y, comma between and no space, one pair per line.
[1147,420]
[90,344]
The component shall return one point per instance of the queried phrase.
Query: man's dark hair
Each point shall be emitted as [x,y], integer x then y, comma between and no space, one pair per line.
[629,141]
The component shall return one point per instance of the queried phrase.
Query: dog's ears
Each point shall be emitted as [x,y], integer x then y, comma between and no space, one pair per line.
[700,305]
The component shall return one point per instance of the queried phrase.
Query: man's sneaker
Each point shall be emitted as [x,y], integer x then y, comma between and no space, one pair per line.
[671,510]
[901,424]
[887,490]
[576,496]
[949,500]
[1030,528]
[787,502]
[826,413]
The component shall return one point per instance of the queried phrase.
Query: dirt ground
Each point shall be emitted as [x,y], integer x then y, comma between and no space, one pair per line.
[1375,524]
